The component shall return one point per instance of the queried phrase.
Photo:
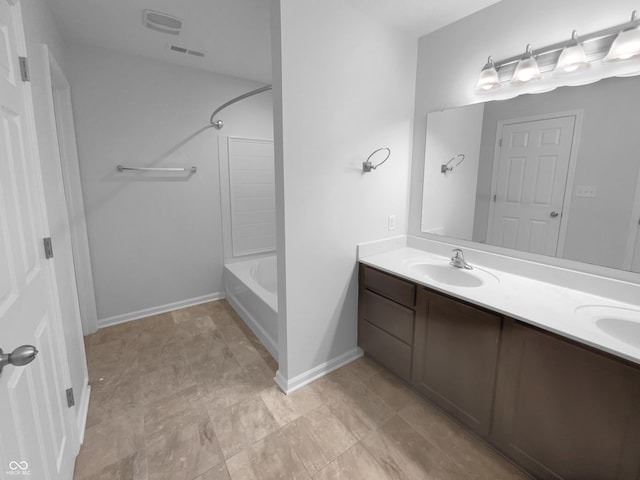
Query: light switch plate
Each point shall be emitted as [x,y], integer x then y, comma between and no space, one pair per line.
[392,222]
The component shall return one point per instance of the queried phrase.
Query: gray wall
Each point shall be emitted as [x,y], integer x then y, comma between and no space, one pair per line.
[40,28]
[155,241]
[345,91]
[607,158]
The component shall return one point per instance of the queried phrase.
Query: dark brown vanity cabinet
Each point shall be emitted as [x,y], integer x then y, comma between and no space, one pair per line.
[563,410]
[455,357]
[559,409]
[386,319]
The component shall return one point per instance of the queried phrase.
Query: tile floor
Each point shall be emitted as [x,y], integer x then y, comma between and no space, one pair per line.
[189,395]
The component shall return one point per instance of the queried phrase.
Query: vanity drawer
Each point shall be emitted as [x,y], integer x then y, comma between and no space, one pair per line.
[391,287]
[389,316]
[386,349]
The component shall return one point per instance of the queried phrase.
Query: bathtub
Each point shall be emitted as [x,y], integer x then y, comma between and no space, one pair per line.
[251,289]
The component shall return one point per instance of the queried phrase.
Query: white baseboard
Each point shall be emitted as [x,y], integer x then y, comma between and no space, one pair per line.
[127,317]
[83,411]
[299,381]
[255,327]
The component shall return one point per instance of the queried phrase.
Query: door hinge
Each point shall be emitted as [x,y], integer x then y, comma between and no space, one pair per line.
[494,198]
[48,248]
[500,143]
[70,400]
[24,69]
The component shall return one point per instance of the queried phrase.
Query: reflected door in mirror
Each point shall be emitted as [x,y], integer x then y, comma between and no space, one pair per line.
[530,172]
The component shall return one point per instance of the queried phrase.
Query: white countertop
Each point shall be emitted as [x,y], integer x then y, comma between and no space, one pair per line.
[545,305]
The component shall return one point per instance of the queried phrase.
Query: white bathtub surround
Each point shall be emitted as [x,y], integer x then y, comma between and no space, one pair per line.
[546,296]
[251,289]
[247,196]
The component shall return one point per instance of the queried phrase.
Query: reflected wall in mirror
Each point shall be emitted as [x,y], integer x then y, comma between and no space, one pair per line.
[556,173]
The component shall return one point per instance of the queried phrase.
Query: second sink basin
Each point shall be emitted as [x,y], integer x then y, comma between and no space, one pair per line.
[444,273]
[620,323]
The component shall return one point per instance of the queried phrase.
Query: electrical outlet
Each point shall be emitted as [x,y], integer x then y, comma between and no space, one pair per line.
[586,191]
[392,222]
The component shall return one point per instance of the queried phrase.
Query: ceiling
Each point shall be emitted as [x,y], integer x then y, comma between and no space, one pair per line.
[420,17]
[234,34]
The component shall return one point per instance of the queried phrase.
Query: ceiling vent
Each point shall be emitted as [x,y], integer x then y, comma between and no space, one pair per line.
[186,51]
[161,22]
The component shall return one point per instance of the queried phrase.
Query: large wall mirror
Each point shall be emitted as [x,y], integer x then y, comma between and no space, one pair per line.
[556,173]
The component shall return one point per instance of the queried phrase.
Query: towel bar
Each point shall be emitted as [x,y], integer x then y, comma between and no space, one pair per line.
[122,168]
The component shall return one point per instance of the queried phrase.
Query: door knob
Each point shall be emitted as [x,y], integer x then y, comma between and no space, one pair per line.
[19,357]
[553,214]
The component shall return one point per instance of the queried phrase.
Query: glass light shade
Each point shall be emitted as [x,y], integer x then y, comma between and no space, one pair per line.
[488,79]
[625,46]
[527,69]
[627,43]
[572,57]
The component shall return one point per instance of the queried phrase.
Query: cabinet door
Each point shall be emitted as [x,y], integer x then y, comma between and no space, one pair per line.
[565,411]
[455,357]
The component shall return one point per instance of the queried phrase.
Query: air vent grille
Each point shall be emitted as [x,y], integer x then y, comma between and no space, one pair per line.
[186,51]
[161,22]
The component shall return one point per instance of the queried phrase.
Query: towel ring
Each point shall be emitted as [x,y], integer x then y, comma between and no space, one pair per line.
[444,168]
[367,166]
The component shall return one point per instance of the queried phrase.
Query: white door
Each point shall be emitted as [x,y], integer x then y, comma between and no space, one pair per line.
[532,166]
[37,440]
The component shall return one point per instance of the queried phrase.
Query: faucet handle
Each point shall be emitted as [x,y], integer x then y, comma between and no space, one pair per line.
[459,252]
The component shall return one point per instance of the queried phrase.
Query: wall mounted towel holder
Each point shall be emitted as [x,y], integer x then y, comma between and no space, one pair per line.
[368,166]
[122,168]
[445,167]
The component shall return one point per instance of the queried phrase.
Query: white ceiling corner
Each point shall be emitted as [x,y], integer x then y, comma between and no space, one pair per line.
[420,17]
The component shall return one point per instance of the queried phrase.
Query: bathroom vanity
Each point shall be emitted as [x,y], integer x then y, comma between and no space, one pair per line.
[557,407]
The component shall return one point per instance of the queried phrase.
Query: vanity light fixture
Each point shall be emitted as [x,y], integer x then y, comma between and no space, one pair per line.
[627,43]
[613,44]
[488,79]
[526,69]
[572,58]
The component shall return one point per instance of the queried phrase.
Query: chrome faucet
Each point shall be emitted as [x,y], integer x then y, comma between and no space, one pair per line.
[458,260]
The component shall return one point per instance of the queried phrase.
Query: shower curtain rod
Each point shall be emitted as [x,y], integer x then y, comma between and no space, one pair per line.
[218,124]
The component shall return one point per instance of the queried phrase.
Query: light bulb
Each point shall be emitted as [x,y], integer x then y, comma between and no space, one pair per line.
[488,78]
[527,69]
[627,43]
[572,57]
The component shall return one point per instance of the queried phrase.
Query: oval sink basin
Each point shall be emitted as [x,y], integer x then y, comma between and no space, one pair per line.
[451,275]
[620,323]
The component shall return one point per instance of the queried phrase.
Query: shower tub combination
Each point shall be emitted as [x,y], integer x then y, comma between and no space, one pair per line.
[251,289]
